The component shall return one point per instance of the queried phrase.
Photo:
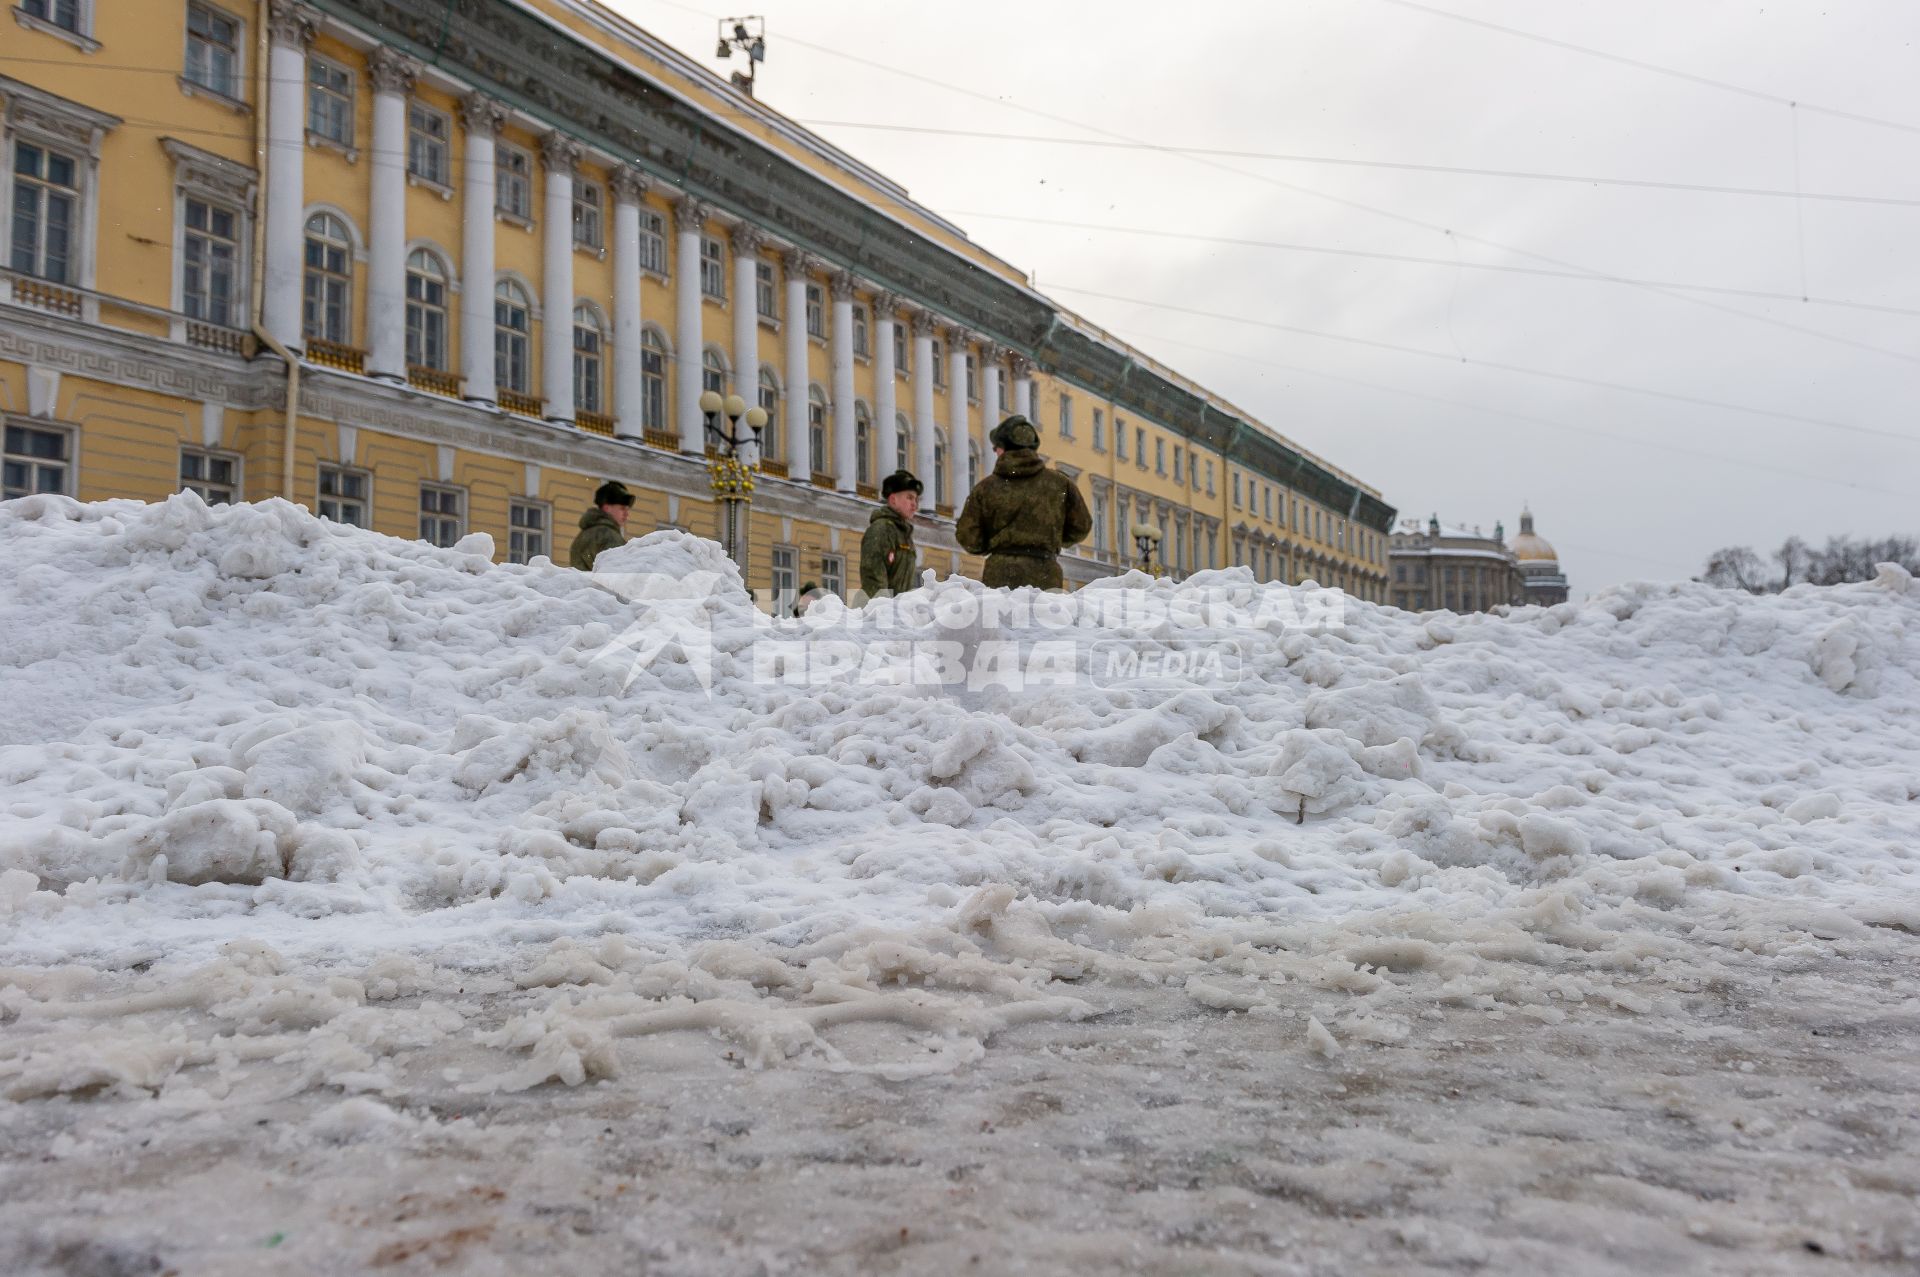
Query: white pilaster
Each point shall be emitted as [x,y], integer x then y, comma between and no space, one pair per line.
[886,404]
[992,359]
[392,75]
[483,118]
[629,388]
[747,243]
[1023,387]
[958,431]
[844,451]
[798,265]
[290,31]
[923,423]
[689,216]
[560,154]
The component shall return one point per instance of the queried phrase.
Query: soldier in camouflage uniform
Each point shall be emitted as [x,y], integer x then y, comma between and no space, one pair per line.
[1022,514]
[887,560]
[602,527]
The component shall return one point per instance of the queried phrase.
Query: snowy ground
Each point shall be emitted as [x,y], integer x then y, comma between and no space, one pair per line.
[368,907]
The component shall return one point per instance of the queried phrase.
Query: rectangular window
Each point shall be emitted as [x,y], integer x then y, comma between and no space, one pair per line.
[1066,417]
[526,530]
[209,285]
[1176,463]
[1159,455]
[1236,489]
[442,514]
[939,365]
[1099,430]
[816,312]
[1140,446]
[586,216]
[899,350]
[46,207]
[1209,476]
[833,574]
[973,380]
[35,461]
[512,181]
[766,297]
[1269,505]
[653,243]
[214,475]
[213,50]
[588,359]
[1120,438]
[343,495]
[428,134]
[329,102]
[862,337]
[785,585]
[1099,521]
[713,268]
[64,14]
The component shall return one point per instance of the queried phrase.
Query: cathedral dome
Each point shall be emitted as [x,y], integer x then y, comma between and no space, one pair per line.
[1530,546]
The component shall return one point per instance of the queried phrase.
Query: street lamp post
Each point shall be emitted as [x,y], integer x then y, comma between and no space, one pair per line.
[1145,538]
[733,466]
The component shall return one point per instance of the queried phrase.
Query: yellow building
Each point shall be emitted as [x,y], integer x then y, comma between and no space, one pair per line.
[437,268]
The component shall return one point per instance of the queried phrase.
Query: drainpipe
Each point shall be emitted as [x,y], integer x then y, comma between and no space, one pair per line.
[260,334]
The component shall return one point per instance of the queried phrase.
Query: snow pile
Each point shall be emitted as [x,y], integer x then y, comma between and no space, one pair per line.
[280,790]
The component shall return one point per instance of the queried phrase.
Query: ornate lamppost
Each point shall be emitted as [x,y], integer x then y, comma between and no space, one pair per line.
[732,467]
[1146,537]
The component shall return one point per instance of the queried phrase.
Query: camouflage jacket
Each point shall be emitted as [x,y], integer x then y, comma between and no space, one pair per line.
[598,532]
[886,554]
[1023,508]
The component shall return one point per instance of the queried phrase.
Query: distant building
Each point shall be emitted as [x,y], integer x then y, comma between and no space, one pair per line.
[1541,579]
[1459,569]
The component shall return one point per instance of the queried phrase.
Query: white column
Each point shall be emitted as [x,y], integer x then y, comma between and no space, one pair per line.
[629,388]
[797,265]
[1023,388]
[483,118]
[886,405]
[844,451]
[957,432]
[993,360]
[392,75]
[923,423]
[689,215]
[560,154]
[747,242]
[290,29]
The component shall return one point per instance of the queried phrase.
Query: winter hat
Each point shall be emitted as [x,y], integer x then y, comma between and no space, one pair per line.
[612,492]
[1014,432]
[900,481]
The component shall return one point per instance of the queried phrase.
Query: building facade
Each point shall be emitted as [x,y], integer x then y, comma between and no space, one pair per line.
[437,267]
[1459,569]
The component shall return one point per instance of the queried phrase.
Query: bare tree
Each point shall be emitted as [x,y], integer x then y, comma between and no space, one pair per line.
[1843,559]
[1795,559]
[1737,568]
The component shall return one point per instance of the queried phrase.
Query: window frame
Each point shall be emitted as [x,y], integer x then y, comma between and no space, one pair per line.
[72,194]
[68,461]
[513,172]
[713,269]
[785,562]
[442,181]
[767,395]
[1066,416]
[458,518]
[234,459]
[234,92]
[80,34]
[656,402]
[766,292]
[517,533]
[819,441]
[589,217]
[1099,430]
[833,574]
[596,327]
[364,500]
[816,312]
[219,183]
[653,243]
[316,137]
[503,364]
[427,309]
[349,247]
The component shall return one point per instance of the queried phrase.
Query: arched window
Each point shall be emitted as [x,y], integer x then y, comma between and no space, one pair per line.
[653,380]
[940,468]
[327,288]
[512,337]
[770,434]
[589,364]
[817,429]
[862,445]
[902,443]
[426,311]
[713,372]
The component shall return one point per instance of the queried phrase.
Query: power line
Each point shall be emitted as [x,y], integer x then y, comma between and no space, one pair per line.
[1656,69]
[1341,162]
[1521,369]
[1448,262]
[1143,336]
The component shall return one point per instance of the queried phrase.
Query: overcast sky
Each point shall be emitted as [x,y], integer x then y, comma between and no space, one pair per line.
[1625,485]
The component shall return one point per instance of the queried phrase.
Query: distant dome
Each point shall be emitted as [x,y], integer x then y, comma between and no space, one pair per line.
[1530,546]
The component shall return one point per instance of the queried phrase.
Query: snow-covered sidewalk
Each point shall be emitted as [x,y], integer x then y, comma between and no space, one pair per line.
[364,904]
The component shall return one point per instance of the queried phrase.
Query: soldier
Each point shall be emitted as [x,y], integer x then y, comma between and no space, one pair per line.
[1022,514]
[602,527]
[886,551]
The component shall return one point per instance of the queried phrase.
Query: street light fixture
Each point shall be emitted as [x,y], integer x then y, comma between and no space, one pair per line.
[1145,537]
[733,467]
